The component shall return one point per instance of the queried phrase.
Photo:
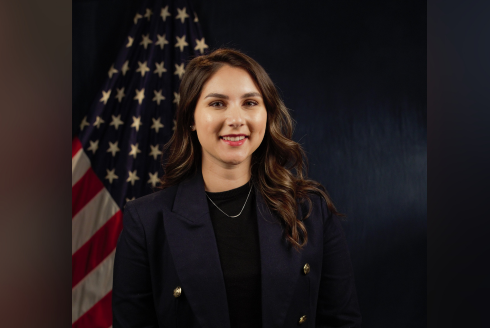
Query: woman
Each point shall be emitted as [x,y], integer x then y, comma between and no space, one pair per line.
[238,237]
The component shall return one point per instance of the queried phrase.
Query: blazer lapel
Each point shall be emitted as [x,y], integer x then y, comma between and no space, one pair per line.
[193,246]
[280,266]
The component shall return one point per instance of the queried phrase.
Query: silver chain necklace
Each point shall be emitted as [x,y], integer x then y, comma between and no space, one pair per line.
[231,216]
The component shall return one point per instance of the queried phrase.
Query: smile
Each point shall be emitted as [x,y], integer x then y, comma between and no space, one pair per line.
[234,141]
[234,138]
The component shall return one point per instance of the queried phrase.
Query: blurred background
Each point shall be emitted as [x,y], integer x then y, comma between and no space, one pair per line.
[353,75]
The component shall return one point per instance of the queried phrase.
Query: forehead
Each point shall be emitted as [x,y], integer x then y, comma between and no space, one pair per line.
[232,80]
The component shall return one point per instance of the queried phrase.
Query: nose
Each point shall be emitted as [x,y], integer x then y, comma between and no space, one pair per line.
[235,116]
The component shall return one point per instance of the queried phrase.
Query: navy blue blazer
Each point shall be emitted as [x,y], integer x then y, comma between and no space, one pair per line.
[168,242]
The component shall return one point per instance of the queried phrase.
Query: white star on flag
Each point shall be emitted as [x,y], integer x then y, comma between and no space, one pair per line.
[164,13]
[181,43]
[113,148]
[153,179]
[138,16]
[155,151]
[179,70]
[84,123]
[125,67]
[132,177]
[156,124]
[182,15]
[176,98]
[158,96]
[111,175]
[200,45]
[134,150]
[195,18]
[120,94]
[148,13]
[130,199]
[175,124]
[116,121]
[140,95]
[142,68]
[130,42]
[112,71]
[105,96]
[94,145]
[136,123]
[160,69]
[98,121]
[146,40]
[162,41]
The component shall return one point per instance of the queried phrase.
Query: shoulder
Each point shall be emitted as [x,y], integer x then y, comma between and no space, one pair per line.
[332,226]
[318,202]
[152,204]
[320,208]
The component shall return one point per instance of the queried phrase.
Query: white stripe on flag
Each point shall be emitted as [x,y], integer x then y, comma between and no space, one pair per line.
[93,216]
[93,288]
[79,165]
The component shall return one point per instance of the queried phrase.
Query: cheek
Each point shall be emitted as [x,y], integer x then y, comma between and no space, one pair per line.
[260,122]
[206,122]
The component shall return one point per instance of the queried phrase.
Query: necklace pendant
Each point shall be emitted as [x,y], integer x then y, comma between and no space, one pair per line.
[231,216]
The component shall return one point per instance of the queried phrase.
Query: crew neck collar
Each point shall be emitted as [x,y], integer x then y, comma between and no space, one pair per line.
[233,193]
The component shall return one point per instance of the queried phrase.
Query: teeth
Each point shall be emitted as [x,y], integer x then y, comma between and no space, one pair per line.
[234,138]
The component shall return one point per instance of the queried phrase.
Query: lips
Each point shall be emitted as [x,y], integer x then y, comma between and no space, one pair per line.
[234,140]
[231,136]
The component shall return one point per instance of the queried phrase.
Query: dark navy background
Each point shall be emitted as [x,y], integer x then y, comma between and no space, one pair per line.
[354,75]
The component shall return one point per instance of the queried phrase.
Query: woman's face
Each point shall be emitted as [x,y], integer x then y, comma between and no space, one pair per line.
[230,117]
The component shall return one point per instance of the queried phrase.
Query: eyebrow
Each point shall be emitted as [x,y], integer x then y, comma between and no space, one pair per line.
[216,95]
[221,96]
[252,94]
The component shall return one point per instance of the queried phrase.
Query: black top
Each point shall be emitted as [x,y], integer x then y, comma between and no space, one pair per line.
[239,252]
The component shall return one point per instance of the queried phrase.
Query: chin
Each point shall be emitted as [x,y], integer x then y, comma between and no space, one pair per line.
[233,161]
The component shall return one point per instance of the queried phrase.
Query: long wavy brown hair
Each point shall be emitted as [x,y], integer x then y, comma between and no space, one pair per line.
[278,169]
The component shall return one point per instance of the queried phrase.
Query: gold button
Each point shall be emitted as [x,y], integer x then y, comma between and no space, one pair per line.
[306,268]
[302,320]
[177,291]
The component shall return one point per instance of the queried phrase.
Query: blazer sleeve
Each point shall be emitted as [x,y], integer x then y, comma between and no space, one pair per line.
[337,299]
[132,297]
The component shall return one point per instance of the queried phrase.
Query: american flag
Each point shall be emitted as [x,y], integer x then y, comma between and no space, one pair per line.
[117,154]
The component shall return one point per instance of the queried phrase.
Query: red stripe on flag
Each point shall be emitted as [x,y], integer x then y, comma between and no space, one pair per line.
[84,190]
[96,249]
[98,316]
[76,145]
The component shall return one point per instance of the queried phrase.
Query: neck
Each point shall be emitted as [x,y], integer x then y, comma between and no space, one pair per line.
[218,178]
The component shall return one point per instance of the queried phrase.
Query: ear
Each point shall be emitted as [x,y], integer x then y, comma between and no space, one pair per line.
[193,127]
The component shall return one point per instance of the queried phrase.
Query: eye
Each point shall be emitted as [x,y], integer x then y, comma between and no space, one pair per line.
[217,104]
[250,103]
